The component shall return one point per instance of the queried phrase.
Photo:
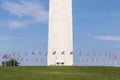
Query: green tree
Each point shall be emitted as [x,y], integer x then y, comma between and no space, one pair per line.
[11,62]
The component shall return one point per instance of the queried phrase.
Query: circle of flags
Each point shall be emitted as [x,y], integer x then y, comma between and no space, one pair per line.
[81,58]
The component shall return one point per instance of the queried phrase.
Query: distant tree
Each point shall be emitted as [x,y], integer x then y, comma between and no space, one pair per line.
[11,62]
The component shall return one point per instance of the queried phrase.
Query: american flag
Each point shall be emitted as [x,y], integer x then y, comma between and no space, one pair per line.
[114,57]
[26,54]
[33,53]
[46,53]
[5,56]
[40,53]
[71,52]
[94,54]
[54,53]
[62,53]
[13,54]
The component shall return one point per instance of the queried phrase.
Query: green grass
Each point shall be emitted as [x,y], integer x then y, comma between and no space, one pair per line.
[59,73]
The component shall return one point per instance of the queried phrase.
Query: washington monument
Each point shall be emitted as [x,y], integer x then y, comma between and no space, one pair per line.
[60,35]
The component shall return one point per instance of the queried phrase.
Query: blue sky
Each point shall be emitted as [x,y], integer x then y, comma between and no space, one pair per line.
[24,26]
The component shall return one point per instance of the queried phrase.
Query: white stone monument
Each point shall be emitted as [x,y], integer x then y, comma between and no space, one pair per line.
[60,35]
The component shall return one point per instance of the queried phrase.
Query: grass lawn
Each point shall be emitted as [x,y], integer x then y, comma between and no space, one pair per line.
[59,73]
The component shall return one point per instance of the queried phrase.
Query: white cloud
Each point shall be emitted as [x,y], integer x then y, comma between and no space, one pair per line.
[105,37]
[100,14]
[31,11]
[109,38]
[16,24]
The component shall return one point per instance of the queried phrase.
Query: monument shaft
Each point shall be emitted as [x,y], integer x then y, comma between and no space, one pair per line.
[60,39]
